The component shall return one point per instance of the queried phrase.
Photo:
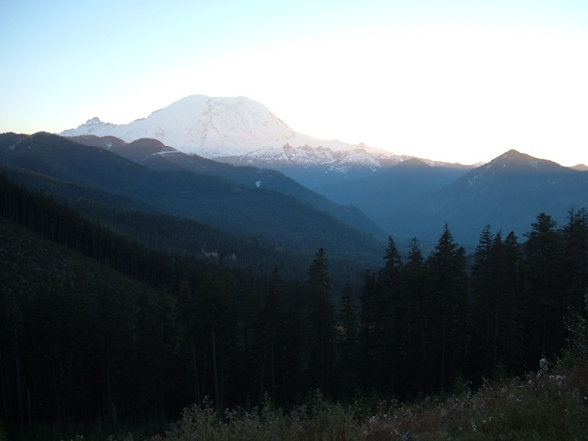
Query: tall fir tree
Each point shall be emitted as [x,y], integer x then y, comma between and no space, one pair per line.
[369,332]
[508,345]
[391,321]
[575,258]
[447,269]
[269,338]
[544,332]
[414,345]
[495,306]
[321,323]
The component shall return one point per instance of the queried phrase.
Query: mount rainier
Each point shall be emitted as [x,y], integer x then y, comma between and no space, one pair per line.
[233,128]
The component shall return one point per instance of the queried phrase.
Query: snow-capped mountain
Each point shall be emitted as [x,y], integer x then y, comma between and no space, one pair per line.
[210,127]
[307,156]
[324,169]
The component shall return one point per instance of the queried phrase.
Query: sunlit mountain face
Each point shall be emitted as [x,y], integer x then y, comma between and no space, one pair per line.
[207,126]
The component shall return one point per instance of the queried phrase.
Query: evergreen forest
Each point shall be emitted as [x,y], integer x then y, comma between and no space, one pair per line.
[102,329]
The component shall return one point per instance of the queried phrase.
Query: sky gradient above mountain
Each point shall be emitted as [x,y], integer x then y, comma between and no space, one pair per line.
[454,81]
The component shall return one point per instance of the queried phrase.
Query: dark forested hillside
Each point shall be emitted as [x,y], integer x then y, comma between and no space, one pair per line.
[208,199]
[154,154]
[74,336]
[180,235]
[83,343]
[156,228]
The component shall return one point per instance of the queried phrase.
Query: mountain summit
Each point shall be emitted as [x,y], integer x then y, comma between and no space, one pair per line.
[515,161]
[210,127]
[508,193]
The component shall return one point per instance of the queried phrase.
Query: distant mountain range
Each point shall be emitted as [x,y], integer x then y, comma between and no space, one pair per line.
[415,199]
[156,155]
[405,196]
[50,162]
[507,194]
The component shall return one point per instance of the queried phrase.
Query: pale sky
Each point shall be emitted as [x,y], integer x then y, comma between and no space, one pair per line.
[461,81]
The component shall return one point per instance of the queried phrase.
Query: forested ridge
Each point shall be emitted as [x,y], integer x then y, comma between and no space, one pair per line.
[62,166]
[100,329]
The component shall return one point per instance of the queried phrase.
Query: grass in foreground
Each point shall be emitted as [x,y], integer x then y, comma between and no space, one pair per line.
[549,405]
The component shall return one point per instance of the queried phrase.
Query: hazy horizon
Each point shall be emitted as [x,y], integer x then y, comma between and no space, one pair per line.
[453,82]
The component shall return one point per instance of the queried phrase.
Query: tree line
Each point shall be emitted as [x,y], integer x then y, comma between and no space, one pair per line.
[81,343]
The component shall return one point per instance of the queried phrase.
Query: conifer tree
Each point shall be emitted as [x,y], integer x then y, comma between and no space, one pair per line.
[508,348]
[270,329]
[390,317]
[447,266]
[414,345]
[575,258]
[217,321]
[321,323]
[482,314]
[495,305]
[369,330]
[543,274]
